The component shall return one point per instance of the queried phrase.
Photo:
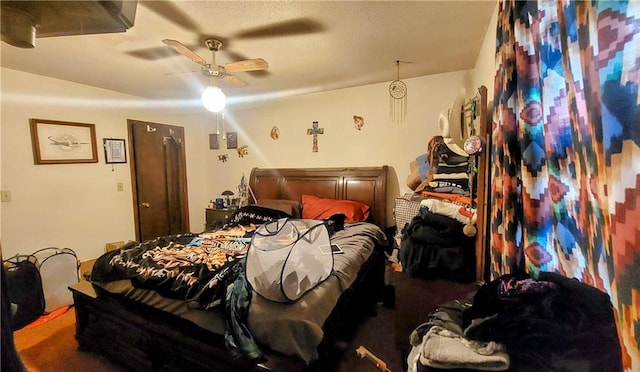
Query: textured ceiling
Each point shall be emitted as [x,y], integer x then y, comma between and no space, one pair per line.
[310,46]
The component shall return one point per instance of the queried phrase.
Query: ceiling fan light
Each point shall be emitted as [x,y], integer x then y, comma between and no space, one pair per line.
[213,99]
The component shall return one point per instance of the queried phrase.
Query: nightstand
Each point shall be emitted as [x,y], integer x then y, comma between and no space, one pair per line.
[217,217]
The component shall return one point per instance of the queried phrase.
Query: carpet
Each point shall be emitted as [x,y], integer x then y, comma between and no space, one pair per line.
[51,346]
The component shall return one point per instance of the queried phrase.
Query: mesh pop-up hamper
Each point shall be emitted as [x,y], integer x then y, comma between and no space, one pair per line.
[288,257]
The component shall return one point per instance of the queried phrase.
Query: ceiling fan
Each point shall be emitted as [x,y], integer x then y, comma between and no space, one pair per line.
[213,97]
[212,70]
[173,11]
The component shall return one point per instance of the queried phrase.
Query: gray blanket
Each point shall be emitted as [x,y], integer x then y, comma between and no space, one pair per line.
[296,329]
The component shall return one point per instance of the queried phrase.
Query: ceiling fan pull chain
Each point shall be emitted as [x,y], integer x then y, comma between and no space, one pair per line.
[224,129]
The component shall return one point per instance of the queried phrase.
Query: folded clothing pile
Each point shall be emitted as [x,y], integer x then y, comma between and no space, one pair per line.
[449,171]
[524,324]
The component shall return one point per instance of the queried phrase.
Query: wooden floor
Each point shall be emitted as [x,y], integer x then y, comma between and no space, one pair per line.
[52,347]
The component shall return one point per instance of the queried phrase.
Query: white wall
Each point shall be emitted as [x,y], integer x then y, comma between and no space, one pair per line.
[75,205]
[484,70]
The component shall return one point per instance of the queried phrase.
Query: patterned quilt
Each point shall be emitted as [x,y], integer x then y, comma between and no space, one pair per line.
[186,267]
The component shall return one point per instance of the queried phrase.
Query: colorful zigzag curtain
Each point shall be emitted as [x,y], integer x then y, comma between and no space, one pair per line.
[566,149]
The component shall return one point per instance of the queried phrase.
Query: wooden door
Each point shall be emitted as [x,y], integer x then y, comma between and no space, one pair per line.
[159,180]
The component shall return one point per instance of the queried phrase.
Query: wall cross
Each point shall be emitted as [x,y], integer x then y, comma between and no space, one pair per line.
[314,130]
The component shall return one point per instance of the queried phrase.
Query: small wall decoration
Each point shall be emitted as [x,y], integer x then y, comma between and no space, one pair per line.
[232,140]
[275,133]
[223,158]
[214,144]
[243,150]
[61,142]
[358,122]
[243,195]
[398,97]
[314,130]
[114,150]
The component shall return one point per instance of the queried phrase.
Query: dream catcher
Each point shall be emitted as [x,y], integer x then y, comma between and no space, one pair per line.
[398,97]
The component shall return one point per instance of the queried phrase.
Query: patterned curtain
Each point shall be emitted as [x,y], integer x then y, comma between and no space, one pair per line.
[566,149]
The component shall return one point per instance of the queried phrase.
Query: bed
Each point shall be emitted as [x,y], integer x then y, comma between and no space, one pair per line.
[140,330]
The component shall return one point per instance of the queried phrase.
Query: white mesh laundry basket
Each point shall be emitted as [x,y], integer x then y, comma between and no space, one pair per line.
[288,257]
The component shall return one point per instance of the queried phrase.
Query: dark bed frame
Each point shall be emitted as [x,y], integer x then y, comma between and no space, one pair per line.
[140,337]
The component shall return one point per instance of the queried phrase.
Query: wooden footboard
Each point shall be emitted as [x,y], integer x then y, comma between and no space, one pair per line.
[140,337]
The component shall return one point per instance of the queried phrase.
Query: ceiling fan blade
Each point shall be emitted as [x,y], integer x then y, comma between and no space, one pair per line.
[182,49]
[183,73]
[151,54]
[172,13]
[234,56]
[234,81]
[286,28]
[255,64]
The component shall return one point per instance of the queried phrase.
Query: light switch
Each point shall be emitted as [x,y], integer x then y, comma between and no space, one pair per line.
[120,186]
[5,196]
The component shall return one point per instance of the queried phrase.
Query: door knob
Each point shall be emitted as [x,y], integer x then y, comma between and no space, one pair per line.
[145,204]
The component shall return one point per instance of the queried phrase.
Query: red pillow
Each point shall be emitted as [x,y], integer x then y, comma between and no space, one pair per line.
[317,208]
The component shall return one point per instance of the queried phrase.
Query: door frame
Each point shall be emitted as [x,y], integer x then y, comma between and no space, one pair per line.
[184,199]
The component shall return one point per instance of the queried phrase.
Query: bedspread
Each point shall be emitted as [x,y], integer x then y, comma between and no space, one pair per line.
[190,267]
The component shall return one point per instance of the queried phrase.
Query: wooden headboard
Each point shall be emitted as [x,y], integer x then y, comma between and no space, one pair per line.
[363,184]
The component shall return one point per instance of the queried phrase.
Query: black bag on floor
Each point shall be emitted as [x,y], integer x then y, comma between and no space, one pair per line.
[25,289]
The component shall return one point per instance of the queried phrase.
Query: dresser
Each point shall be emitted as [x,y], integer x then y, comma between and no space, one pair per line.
[416,298]
[215,218]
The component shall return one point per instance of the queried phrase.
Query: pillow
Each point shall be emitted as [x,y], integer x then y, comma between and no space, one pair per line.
[317,208]
[291,207]
[255,214]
